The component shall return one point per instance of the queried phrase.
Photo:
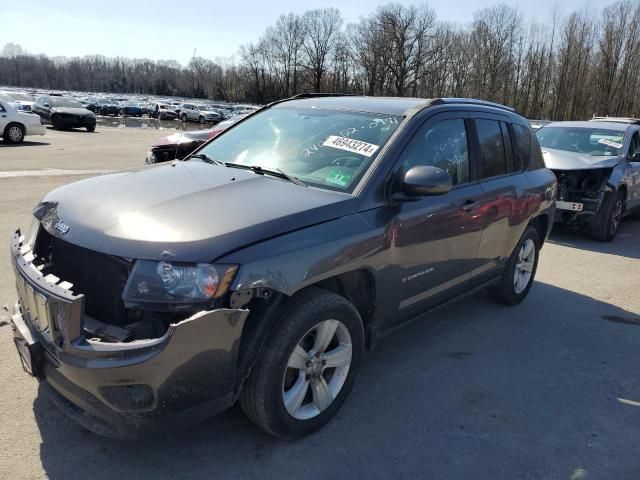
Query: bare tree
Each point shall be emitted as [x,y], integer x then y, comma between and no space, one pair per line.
[571,67]
[321,32]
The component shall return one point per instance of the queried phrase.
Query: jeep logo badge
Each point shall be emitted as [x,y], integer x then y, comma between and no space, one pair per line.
[61,227]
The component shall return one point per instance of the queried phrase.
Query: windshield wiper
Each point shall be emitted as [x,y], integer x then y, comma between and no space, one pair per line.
[276,172]
[206,158]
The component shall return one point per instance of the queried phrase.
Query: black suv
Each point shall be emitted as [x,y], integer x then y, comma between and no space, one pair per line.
[64,112]
[259,268]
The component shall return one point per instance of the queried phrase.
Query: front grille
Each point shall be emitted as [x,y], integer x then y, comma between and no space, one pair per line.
[100,277]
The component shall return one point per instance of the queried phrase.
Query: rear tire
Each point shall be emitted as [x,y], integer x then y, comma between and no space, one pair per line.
[276,381]
[183,118]
[520,271]
[13,133]
[91,129]
[201,119]
[605,226]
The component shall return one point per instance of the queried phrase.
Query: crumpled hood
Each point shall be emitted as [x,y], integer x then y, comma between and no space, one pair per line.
[71,110]
[563,160]
[187,211]
[182,137]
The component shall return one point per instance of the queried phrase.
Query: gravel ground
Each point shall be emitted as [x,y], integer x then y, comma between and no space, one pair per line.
[549,389]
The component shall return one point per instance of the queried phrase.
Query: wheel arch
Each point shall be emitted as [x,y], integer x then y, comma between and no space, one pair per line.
[14,122]
[266,305]
[623,189]
[542,224]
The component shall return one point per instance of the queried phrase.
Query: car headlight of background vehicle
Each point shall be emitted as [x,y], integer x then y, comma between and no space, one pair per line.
[173,284]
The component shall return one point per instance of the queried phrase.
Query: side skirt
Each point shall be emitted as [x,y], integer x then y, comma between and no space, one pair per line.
[373,334]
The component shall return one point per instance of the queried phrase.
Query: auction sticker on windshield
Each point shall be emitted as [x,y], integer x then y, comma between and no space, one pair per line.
[610,143]
[351,145]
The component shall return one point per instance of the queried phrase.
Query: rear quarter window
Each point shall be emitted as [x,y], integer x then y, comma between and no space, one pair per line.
[522,148]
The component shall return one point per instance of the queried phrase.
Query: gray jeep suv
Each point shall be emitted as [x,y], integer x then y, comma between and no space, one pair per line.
[259,268]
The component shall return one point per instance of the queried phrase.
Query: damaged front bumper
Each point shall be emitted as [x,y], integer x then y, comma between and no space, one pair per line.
[122,389]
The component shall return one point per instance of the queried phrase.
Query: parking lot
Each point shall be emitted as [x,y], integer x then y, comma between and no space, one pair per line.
[549,389]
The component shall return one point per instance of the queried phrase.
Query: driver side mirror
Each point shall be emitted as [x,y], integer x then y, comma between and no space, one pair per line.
[46,104]
[424,180]
[635,157]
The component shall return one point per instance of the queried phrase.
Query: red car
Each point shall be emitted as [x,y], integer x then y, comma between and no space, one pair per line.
[180,144]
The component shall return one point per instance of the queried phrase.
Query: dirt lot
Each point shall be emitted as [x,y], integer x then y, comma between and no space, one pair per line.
[546,390]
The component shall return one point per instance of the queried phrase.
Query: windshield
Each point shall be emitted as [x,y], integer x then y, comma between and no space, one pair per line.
[592,141]
[203,107]
[326,148]
[21,97]
[65,102]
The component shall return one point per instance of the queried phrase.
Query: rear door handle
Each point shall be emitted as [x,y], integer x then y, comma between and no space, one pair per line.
[470,205]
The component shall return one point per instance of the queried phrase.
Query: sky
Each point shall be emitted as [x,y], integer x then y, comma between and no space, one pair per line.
[163,29]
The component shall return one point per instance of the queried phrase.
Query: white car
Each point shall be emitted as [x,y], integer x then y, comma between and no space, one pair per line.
[21,101]
[15,125]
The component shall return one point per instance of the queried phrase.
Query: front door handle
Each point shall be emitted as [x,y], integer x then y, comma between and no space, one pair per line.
[470,205]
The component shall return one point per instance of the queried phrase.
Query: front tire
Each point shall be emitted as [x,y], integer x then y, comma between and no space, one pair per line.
[201,119]
[183,118]
[308,366]
[605,226]
[520,271]
[91,129]
[14,133]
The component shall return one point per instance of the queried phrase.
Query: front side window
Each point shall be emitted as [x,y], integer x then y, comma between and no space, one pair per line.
[492,152]
[634,148]
[326,148]
[443,145]
[597,142]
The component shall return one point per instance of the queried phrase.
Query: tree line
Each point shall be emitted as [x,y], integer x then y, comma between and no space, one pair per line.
[571,67]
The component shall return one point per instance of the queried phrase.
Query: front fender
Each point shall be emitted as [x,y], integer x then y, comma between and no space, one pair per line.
[616,179]
[295,260]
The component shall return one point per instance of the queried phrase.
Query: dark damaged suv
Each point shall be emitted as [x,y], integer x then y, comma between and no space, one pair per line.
[260,268]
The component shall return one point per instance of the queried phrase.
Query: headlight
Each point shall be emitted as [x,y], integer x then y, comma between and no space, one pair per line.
[168,284]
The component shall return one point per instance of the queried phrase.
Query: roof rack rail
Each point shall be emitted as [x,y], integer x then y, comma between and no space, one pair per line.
[471,101]
[634,121]
[320,94]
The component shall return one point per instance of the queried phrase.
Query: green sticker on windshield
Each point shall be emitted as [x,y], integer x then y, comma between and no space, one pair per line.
[338,177]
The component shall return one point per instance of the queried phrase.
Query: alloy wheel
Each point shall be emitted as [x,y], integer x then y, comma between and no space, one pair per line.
[317,369]
[524,266]
[15,134]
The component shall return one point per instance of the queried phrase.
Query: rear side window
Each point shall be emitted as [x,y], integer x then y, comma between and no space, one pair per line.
[522,145]
[492,152]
